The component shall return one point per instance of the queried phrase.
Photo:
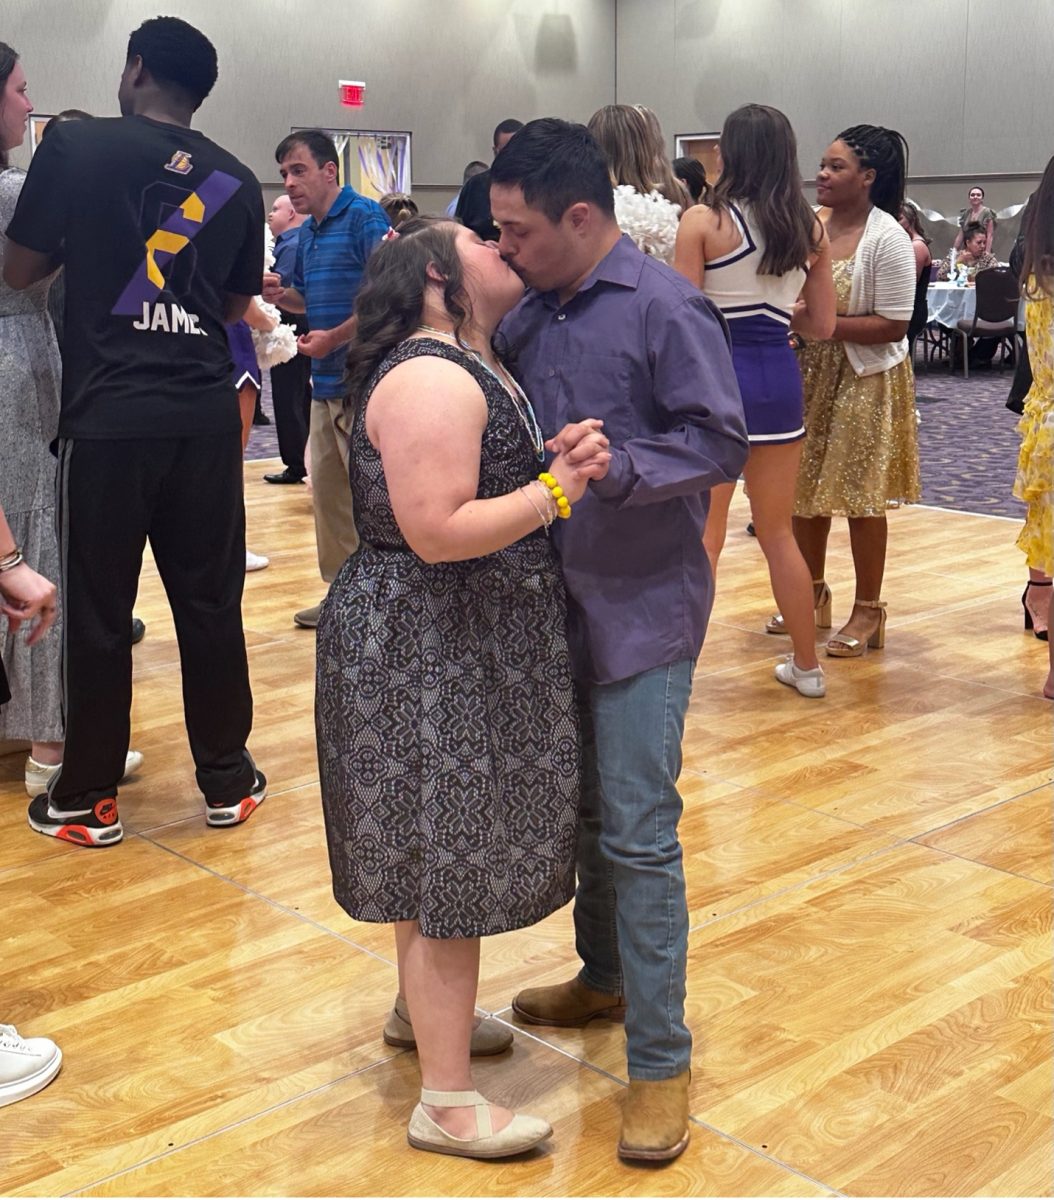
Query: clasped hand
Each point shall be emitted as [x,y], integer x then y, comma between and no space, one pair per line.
[582,454]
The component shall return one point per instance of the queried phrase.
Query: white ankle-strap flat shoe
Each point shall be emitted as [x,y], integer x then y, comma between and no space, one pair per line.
[522,1132]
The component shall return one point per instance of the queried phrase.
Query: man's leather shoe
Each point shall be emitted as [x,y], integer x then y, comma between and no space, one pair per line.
[567,1005]
[286,476]
[138,631]
[655,1119]
[489,1037]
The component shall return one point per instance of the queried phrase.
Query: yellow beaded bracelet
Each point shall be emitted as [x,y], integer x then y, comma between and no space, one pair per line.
[563,505]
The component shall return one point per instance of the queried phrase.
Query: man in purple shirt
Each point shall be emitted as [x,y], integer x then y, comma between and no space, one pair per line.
[608,332]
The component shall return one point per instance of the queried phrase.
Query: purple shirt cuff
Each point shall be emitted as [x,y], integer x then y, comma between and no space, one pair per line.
[617,482]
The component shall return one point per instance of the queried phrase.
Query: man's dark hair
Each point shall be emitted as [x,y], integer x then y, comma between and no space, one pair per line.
[509,125]
[318,144]
[179,57]
[67,114]
[556,164]
[474,168]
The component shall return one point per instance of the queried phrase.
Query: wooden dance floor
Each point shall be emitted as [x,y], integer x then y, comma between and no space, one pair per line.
[869,878]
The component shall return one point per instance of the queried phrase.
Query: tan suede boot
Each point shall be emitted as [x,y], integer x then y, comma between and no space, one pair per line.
[655,1119]
[567,1004]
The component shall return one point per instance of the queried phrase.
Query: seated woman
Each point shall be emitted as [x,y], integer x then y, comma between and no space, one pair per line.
[973,256]
[447,735]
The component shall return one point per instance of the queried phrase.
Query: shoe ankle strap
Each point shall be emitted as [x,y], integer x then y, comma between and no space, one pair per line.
[870,603]
[484,1125]
[451,1099]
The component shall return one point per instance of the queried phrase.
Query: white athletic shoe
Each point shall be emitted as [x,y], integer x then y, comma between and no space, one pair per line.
[809,683]
[26,1064]
[39,775]
[255,562]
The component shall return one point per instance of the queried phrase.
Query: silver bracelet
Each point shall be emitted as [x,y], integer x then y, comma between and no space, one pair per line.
[546,521]
[12,560]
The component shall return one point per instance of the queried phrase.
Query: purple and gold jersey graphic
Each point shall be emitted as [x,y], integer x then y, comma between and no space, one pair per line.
[179,163]
[173,235]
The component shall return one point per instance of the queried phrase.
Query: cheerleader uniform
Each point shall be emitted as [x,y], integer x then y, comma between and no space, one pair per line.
[758,310]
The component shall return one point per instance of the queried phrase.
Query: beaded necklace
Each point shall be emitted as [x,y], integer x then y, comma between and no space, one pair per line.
[522,405]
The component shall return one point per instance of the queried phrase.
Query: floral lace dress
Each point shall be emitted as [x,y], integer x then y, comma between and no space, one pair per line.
[1035,465]
[447,733]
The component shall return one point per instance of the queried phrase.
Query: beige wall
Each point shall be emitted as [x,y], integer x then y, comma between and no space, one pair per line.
[448,70]
[967,85]
[966,81]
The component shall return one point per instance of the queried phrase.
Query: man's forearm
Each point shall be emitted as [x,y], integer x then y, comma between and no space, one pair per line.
[341,334]
[292,301]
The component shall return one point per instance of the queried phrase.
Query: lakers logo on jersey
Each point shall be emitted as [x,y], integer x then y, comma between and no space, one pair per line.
[179,163]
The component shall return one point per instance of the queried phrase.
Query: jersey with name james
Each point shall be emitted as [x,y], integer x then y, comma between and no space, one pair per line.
[156,225]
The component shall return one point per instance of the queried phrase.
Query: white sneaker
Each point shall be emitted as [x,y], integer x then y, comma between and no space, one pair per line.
[26,1064]
[809,683]
[39,775]
[255,562]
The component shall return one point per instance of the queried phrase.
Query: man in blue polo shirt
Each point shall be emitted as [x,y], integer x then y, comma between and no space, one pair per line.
[335,242]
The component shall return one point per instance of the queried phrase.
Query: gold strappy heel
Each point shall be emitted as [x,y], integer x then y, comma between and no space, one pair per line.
[822,606]
[842,645]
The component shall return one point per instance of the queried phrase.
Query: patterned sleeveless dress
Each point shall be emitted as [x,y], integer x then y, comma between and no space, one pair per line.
[447,733]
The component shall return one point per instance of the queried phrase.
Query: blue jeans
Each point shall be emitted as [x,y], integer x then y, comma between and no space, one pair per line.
[631,912]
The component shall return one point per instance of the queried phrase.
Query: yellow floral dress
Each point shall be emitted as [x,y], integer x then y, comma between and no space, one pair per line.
[860,455]
[1035,464]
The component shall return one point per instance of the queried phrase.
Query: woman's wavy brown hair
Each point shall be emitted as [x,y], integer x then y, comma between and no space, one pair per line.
[759,156]
[8,58]
[391,300]
[1037,262]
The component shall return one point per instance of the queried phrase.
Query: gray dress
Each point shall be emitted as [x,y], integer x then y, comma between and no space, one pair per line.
[30,378]
[447,732]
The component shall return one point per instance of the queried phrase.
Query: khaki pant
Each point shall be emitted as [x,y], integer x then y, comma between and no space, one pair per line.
[334,520]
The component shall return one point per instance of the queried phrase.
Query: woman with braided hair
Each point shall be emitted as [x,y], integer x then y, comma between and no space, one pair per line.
[861,452]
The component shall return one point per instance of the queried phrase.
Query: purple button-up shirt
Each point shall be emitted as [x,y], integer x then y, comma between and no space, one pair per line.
[642,349]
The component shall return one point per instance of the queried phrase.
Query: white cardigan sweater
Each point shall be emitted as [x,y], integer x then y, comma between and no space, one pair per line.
[883,285]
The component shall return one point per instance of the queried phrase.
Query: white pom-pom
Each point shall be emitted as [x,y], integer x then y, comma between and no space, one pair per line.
[276,345]
[651,220]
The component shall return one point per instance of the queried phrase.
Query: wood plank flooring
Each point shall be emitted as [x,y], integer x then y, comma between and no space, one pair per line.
[869,970]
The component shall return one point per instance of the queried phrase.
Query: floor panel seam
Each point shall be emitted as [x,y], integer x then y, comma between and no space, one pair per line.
[248,1119]
[275,904]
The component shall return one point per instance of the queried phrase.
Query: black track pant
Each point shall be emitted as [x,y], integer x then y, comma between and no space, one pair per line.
[291,395]
[185,494]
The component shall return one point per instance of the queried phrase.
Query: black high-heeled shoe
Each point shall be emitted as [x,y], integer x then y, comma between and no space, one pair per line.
[1042,634]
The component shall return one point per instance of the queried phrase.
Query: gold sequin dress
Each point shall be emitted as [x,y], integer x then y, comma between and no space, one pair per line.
[860,455]
[1035,464]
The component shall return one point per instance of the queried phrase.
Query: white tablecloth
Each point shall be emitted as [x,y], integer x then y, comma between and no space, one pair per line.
[949,304]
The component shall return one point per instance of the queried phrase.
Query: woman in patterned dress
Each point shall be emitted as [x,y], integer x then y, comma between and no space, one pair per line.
[1034,484]
[448,744]
[860,455]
